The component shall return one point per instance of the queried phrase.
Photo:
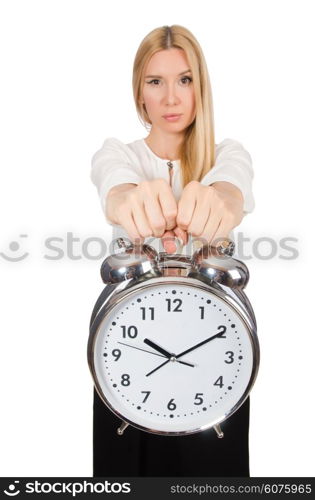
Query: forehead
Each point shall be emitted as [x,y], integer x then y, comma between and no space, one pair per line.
[167,62]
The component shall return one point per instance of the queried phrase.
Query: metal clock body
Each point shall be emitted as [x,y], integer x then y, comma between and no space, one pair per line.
[173,347]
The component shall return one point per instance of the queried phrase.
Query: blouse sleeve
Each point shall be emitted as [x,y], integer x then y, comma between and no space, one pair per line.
[113,164]
[233,164]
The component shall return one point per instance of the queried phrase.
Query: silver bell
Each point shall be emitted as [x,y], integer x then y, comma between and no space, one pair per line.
[217,264]
[134,261]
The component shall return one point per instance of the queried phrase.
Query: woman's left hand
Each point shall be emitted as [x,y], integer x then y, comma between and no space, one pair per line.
[210,212]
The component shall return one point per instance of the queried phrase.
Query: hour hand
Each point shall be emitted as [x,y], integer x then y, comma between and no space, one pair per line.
[158,348]
[170,356]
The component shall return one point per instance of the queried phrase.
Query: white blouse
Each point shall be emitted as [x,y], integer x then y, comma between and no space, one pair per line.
[118,163]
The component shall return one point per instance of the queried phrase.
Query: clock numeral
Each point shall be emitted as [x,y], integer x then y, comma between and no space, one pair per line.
[125,379]
[116,353]
[171,406]
[198,398]
[231,357]
[223,330]
[219,382]
[143,309]
[174,301]
[202,312]
[131,332]
[147,395]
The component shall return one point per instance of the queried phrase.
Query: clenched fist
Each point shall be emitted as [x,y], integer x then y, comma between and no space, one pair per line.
[150,209]
[210,212]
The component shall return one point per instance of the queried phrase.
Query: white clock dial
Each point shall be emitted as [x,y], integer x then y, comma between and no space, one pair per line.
[185,393]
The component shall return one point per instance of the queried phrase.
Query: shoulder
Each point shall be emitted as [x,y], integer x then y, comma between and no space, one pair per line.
[113,148]
[114,144]
[229,144]
[230,148]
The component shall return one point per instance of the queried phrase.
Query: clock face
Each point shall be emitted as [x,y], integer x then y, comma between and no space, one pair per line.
[173,358]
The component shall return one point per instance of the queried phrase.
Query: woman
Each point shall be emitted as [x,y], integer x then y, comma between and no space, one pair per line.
[175,183]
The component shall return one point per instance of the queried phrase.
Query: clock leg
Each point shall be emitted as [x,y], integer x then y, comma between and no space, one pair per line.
[218,430]
[122,428]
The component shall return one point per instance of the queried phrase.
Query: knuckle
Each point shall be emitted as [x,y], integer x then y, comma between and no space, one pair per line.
[170,214]
[220,204]
[145,233]
[183,222]
[229,215]
[158,234]
[195,229]
[158,225]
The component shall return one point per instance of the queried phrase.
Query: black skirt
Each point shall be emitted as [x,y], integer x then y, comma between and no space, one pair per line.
[139,453]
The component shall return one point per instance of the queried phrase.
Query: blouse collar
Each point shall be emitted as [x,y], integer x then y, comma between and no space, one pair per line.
[155,156]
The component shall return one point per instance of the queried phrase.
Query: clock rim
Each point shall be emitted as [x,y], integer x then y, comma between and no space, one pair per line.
[121,294]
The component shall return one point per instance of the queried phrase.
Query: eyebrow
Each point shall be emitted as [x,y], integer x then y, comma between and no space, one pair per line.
[158,76]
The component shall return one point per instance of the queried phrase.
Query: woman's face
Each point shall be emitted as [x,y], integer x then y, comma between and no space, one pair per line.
[168,90]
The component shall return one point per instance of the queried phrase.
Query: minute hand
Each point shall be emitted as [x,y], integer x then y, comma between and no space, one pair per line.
[201,343]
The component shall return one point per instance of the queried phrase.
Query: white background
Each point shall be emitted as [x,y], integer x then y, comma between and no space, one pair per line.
[66,86]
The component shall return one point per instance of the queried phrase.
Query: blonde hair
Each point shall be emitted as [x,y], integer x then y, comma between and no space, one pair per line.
[197,152]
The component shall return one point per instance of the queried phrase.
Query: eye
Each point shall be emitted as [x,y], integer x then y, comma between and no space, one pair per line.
[155,80]
[186,79]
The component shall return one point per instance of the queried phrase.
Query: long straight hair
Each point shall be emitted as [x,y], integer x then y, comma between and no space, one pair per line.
[197,151]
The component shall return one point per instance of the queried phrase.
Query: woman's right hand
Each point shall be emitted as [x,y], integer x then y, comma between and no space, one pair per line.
[144,210]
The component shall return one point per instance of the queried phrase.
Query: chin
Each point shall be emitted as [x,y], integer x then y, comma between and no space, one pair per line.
[178,127]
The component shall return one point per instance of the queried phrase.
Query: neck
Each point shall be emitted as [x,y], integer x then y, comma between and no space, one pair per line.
[165,145]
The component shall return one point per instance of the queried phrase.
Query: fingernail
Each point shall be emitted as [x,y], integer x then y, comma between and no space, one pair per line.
[170,246]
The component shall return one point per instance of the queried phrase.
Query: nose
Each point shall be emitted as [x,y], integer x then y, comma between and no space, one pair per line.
[171,96]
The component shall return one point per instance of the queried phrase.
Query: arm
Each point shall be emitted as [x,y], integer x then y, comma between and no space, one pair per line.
[114,166]
[114,197]
[210,209]
[230,189]
[143,208]
[232,198]
[232,168]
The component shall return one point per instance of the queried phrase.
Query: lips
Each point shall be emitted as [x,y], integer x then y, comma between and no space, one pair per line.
[171,117]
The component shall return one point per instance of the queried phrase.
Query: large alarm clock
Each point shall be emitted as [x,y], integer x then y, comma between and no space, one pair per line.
[173,347]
